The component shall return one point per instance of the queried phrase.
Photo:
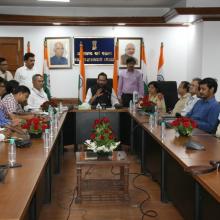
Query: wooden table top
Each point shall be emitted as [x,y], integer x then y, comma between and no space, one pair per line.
[176,148]
[101,110]
[20,183]
[117,158]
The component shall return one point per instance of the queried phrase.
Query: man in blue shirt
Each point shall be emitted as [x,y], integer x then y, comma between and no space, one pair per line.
[205,112]
[3,119]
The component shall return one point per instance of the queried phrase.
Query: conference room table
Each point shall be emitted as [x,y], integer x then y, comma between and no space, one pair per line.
[26,188]
[195,196]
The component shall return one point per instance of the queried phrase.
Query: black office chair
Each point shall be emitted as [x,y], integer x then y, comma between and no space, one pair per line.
[169,90]
[92,81]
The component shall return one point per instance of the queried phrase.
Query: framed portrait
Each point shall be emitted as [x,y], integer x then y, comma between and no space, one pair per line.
[59,52]
[129,47]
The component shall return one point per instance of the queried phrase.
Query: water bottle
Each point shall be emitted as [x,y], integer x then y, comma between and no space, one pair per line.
[155,118]
[12,152]
[162,132]
[60,107]
[56,122]
[130,106]
[135,97]
[151,121]
[46,138]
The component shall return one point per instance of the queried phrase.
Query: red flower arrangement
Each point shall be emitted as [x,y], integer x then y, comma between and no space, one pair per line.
[35,125]
[184,125]
[102,137]
[147,105]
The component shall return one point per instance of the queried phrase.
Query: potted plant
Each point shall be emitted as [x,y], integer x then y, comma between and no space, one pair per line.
[103,141]
[35,126]
[146,105]
[184,126]
[45,106]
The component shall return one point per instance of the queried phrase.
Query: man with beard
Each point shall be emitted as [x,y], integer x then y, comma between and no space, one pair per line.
[101,93]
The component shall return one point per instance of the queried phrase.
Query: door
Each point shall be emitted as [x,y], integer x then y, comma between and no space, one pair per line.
[12,51]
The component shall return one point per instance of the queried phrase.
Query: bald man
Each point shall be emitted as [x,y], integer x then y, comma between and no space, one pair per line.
[129,52]
[58,58]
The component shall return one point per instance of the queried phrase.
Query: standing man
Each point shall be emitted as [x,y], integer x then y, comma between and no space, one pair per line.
[25,73]
[4,73]
[130,80]
[206,111]
[37,96]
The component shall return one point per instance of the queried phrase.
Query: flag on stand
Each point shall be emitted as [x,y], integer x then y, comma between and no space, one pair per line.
[144,68]
[46,73]
[160,76]
[82,80]
[115,71]
[28,47]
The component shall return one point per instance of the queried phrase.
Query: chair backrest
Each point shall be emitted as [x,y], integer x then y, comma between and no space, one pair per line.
[169,90]
[92,81]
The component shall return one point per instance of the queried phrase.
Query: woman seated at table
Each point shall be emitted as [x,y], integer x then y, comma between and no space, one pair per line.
[156,96]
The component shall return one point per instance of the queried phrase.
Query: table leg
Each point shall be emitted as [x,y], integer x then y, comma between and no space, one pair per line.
[126,182]
[79,193]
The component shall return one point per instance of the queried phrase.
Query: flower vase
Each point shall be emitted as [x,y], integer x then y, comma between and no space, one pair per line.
[101,155]
[180,133]
[35,135]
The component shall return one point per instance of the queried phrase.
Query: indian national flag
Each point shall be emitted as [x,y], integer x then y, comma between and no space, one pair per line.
[46,72]
[144,68]
[28,47]
[115,71]
[82,79]
[160,76]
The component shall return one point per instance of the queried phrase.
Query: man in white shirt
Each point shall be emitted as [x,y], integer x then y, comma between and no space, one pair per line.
[37,96]
[194,92]
[4,73]
[101,93]
[25,73]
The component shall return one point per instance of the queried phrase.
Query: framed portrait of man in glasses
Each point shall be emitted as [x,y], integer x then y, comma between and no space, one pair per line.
[59,52]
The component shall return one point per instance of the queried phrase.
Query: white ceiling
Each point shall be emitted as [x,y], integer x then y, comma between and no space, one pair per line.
[98,3]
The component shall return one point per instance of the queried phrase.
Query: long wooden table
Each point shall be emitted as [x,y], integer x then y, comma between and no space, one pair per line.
[25,189]
[196,197]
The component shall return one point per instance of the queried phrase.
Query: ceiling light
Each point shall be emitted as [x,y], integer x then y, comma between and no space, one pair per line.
[53,0]
[56,23]
[121,24]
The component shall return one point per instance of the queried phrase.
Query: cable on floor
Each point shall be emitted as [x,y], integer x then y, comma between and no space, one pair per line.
[150,213]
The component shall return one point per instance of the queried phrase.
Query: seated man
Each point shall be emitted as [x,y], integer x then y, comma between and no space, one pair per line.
[194,92]
[2,87]
[206,111]
[37,96]
[3,119]
[183,91]
[11,103]
[101,93]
